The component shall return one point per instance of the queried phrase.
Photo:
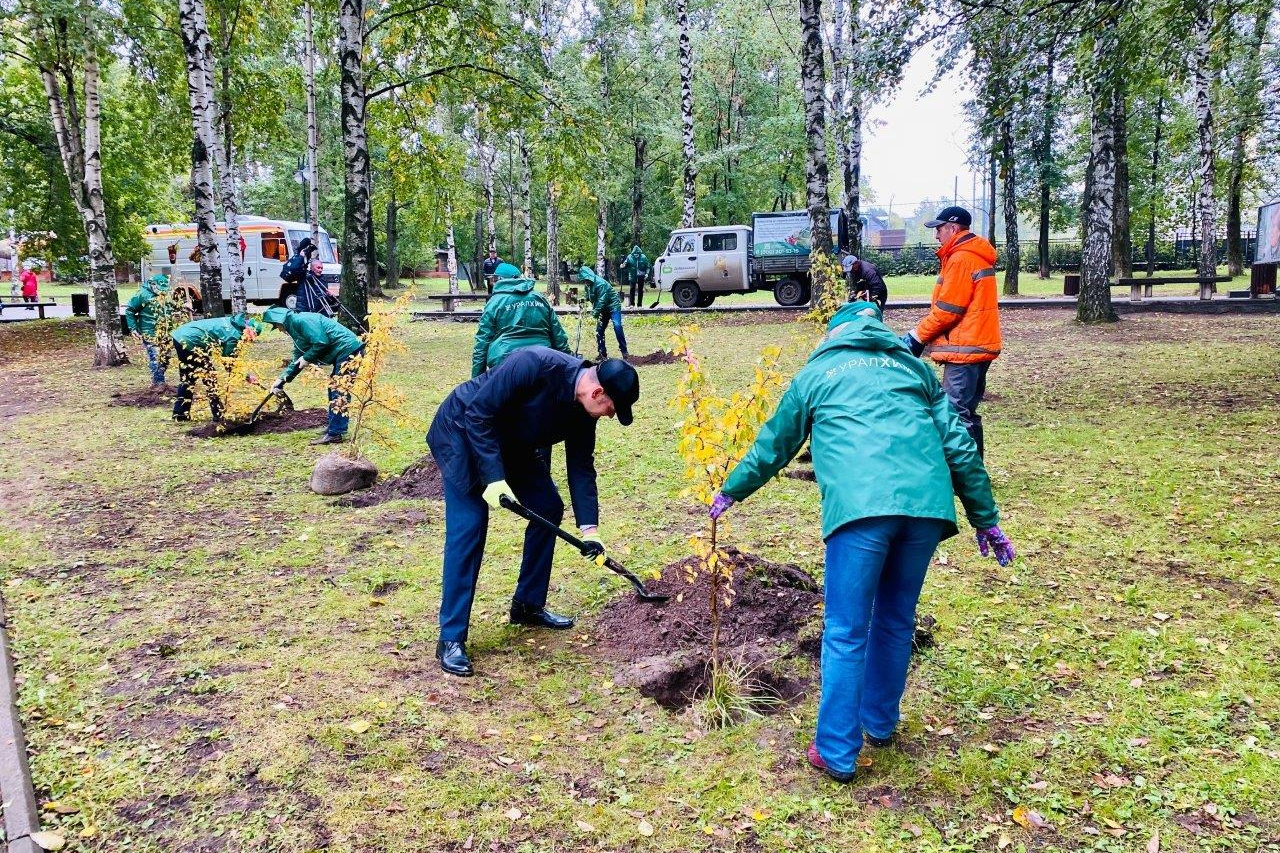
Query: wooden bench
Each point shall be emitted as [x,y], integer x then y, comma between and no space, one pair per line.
[449,300]
[39,306]
[1141,286]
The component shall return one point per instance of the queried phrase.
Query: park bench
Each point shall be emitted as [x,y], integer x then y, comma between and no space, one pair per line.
[39,306]
[449,300]
[1141,286]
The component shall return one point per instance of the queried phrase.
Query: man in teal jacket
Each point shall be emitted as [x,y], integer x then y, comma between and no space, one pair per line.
[318,339]
[635,268]
[194,344]
[514,317]
[606,306]
[890,453]
[149,306]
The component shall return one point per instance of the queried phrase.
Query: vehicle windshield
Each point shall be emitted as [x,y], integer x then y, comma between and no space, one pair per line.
[326,245]
[680,243]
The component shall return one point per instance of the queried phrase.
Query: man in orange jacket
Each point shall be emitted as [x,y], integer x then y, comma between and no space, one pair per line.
[962,329]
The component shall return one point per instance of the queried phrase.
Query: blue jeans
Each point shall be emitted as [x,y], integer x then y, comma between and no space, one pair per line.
[875,568]
[154,362]
[466,526]
[601,323]
[338,418]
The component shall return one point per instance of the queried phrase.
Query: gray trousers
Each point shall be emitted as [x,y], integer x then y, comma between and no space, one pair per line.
[965,385]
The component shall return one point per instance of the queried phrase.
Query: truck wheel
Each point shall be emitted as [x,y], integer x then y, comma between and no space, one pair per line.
[789,293]
[705,300]
[685,294]
[289,298]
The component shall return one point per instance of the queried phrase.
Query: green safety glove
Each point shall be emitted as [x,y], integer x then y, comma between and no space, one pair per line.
[496,491]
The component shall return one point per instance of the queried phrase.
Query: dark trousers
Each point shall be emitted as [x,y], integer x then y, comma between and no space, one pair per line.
[466,526]
[601,323]
[965,384]
[195,365]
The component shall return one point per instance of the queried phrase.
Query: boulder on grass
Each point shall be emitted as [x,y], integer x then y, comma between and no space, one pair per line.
[336,474]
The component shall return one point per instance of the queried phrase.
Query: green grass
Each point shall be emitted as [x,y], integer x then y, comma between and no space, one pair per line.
[197,633]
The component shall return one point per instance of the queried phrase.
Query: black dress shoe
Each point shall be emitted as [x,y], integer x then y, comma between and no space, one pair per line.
[453,658]
[538,617]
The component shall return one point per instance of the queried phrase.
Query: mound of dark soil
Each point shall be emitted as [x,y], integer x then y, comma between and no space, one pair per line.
[802,474]
[420,480]
[285,421]
[656,357]
[145,398]
[663,650]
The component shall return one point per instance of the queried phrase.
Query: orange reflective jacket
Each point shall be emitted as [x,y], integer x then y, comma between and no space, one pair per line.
[963,323]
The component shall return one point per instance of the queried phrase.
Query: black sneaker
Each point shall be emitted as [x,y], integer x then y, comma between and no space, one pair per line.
[878,742]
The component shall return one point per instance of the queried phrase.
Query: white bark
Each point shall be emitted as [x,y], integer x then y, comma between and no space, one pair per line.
[227,185]
[602,214]
[526,205]
[553,243]
[81,154]
[451,261]
[689,152]
[847,124]
[198,50]
[1095,293]
[813,84]
[357,211]
[313,134]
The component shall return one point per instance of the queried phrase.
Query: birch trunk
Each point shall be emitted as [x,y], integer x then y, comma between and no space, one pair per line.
[393,251]
[602,217]
[223,155]
[1012,246]
[813,84]
[357,222]
[1201,73]
[486,154]
[1094,305]
[1247,110]
[526,206]
[1046,163]
[313,134]
[991,198]
[688,215]
[848,116]
[451,247]
[81,154]
[1155,177]
[196,46]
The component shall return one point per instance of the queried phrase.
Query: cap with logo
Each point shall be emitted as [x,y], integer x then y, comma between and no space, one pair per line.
[621,382]
[958,215]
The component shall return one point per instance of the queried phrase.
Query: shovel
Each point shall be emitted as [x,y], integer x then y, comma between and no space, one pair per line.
[586,550]
[243,427]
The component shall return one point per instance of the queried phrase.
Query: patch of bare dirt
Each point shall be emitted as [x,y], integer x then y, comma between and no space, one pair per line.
[801,474]
[145,398]
[664,650]
[284,421]
[420,480]
[655,357]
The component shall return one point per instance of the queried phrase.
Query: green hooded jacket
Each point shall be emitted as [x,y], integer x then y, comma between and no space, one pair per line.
[223,332]
[884,437]
[637,263]
[515,317]
[147,306]
[600,293]
[316,338]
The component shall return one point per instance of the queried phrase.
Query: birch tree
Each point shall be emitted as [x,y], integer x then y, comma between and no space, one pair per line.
[813,84]
[1094,304]
[313,132]
[1202,33]
[198,50]
[65,48]
[688,215]
[357,216]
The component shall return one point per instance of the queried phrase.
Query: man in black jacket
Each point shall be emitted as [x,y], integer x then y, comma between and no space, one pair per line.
[863,280]
[490,438]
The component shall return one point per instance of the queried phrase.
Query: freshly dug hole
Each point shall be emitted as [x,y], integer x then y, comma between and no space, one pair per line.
[420,480]
[145,398]
[289,421]
[664,650]
[656,357]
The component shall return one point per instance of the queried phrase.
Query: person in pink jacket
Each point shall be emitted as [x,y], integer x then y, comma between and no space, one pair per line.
[29,286]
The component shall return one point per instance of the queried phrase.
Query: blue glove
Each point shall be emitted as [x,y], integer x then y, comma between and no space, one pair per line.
[912,344]
[719,504]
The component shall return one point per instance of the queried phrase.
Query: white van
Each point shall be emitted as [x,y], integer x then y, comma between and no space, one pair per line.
[268,244]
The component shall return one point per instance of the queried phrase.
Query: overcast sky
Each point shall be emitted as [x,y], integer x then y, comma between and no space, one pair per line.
[916,144]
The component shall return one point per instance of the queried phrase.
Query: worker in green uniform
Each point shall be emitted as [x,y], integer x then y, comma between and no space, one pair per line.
[148,307]
[606,305]
[194,345]
[515,316]
[321,340]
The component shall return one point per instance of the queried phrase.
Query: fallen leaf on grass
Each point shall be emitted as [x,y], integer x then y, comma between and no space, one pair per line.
[514,813]
[504,760]
[644,828]
[865,761]
[989,748]
[1004,841]
[48,840]
[1029,818]
[584,826]
[1153,846]
[359,726]
[915,830]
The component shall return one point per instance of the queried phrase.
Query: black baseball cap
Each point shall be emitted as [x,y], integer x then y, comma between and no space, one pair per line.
[621,382]
[958,215]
